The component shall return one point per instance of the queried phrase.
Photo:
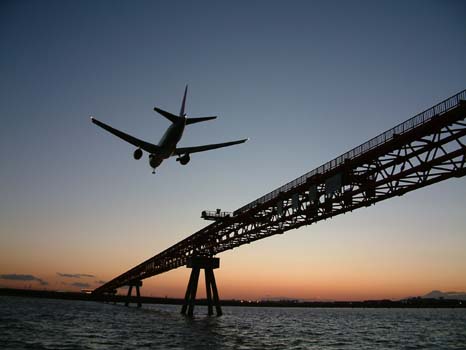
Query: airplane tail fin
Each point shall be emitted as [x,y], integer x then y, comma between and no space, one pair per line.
[174,118]
[198,120]
[184,102]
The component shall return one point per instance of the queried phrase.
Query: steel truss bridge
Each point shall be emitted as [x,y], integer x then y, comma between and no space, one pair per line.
[425,149]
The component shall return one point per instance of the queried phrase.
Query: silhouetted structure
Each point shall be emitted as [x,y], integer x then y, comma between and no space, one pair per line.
[215,215]
[132,284]
[416,302]
[208,264]
[421,151]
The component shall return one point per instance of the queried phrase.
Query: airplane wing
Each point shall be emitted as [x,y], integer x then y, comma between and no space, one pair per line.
[188,150]
[146,146]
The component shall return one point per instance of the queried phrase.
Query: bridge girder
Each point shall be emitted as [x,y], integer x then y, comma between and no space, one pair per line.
[424,150]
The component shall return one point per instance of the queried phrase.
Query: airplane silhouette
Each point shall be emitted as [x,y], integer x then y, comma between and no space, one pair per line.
[166,147]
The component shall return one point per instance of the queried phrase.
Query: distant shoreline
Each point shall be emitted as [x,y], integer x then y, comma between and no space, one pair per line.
[406,303]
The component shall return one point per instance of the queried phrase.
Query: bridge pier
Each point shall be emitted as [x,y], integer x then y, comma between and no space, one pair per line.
[136,284]
[112,295]
[196,264]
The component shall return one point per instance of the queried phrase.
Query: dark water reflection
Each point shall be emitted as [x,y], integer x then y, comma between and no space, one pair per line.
[56,324]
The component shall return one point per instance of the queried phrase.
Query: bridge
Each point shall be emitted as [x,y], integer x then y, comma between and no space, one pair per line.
[423,150]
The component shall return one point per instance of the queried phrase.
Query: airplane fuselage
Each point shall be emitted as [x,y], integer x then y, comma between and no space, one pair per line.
[171,137]
[168,143]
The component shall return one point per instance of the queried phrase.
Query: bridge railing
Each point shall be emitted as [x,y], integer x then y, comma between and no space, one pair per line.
[384,137]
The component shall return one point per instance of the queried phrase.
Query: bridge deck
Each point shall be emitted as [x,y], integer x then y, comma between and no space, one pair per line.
[425,149]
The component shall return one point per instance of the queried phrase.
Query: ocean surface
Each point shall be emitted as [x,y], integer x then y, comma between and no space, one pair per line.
[31,323]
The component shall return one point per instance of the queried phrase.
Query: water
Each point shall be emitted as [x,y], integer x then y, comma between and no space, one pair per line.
[30,323]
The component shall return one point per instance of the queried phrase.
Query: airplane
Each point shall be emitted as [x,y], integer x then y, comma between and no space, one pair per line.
[166,147]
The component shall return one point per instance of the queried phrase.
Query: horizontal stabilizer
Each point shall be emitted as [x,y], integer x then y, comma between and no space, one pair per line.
[171,117]
[198,120]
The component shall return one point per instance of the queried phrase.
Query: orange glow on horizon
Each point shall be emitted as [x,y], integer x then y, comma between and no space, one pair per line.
[258,286]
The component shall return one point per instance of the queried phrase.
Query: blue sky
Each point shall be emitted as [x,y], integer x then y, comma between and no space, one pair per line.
[305,80]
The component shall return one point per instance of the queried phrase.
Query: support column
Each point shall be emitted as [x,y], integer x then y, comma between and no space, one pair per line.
[196,264]
[135,284]
[187,296]
[138,294]
[215,293]
[208,290]
[192,299]
[128,296]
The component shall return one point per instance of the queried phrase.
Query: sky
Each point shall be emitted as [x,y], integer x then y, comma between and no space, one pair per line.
[304,80]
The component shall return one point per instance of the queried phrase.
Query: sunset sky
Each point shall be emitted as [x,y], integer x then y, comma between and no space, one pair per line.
[304,80]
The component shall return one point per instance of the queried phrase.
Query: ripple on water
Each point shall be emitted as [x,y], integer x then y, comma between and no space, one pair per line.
[58,324]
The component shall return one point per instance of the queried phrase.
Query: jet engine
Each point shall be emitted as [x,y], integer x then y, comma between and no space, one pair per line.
[137,154]
[184,159]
